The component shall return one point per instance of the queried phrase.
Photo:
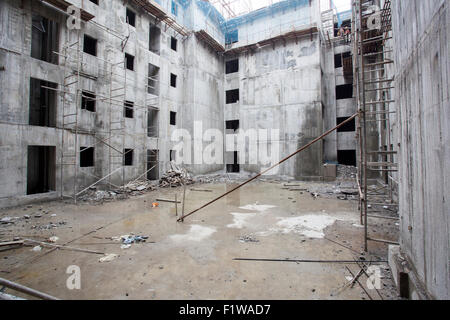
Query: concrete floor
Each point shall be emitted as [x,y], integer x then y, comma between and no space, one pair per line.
[194,259]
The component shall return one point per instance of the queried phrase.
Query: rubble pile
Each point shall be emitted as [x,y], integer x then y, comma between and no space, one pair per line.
[94,195]
[346,172]
[139,186]
[175,177]
[133,188]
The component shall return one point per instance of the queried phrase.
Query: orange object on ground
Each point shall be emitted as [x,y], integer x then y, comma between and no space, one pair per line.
[155,204]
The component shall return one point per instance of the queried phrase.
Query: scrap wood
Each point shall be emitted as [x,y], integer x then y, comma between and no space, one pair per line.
[55,246]
[272,167]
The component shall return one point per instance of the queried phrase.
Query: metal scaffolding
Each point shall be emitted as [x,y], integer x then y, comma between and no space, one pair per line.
[374,84]
[115,132]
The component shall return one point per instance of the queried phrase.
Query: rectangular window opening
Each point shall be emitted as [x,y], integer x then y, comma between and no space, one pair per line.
[173,118]
[232,125]
[337,60]
[88,100]
[153,79]
[41,169]
[86,157]
[152,162]
[173,43]
[232,96]
[172,155]
[348,127]
[44,39]
[232,66]
[173,80]
[154,39]
[152,127]
[344,91]
[42,110]
[128,157]
[129,61]
[347,157]
[90,45]
[131,17]
[128,109]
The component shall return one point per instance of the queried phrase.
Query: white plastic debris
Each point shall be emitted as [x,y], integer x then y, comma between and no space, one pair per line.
[37,249]
[125,246]
[108,257]
[53,239]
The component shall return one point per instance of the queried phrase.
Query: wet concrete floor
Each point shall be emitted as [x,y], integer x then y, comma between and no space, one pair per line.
[194,259]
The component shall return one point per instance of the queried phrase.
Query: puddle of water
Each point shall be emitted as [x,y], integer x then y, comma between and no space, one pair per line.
[240,219]
[195,233]
[311,226]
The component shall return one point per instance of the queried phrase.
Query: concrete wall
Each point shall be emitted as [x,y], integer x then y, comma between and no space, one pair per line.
[333,109]
[422,31]
[280,88]
[100,74]
[275,24]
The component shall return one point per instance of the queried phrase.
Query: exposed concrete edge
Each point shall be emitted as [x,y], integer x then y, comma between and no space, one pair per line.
[405,276]
[15,201]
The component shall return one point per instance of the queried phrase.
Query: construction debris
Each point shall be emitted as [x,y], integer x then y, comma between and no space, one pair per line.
[130,238]
[108,257]
[175,177]
[53,239]
[134,239]
[247,239]
[139,185]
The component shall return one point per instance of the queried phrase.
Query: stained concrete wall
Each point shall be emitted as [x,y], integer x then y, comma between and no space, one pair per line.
[422,30]
[280,88]
[333,109]
[101,74]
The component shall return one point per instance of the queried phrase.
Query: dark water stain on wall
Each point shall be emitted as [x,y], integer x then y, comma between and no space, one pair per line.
[308,162]
[308,51]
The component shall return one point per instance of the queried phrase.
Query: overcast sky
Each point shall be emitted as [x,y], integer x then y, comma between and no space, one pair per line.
[243,6]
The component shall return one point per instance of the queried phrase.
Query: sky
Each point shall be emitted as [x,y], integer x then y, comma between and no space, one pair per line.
[244,6]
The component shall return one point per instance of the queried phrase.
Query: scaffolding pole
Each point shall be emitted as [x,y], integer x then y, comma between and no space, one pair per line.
[375,99]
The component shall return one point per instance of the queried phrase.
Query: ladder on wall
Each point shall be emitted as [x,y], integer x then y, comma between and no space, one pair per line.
[373,72]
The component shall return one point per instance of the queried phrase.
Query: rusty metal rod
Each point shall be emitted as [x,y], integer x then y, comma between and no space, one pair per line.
[306,261]
[23,289]
[275,165]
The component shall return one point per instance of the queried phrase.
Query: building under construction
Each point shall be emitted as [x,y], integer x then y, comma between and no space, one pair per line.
[230,137]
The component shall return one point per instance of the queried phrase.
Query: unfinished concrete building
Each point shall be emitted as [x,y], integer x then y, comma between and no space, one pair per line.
[94,92]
